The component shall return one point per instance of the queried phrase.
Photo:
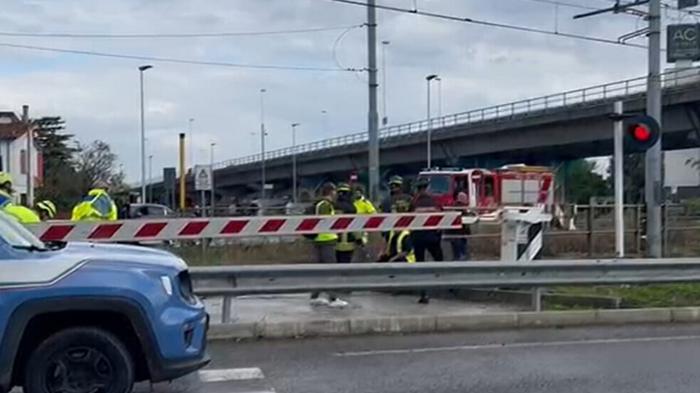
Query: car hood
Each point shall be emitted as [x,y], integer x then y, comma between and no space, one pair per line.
[123,253]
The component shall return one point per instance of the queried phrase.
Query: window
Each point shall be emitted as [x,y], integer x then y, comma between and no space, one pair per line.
[439,184]
[489,186]
[23,162]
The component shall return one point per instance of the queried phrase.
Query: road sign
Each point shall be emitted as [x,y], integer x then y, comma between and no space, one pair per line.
[169,177]
[683,42]
[202,177]
[687,3]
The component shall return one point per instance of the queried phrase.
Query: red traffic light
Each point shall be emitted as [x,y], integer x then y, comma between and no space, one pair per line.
[642,133]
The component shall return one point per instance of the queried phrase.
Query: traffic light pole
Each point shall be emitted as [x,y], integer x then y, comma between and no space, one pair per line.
[618,159]
[652,179]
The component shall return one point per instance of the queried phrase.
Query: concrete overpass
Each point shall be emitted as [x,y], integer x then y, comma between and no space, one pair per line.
[542,130]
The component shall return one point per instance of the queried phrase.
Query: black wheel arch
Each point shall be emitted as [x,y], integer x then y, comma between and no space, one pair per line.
[22,317]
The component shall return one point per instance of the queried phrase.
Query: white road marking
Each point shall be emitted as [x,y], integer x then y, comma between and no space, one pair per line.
[230,374]
[518,345]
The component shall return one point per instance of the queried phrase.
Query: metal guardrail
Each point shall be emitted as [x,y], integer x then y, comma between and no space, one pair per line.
[233,281]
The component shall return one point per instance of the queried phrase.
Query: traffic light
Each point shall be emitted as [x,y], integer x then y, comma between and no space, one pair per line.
[641,133]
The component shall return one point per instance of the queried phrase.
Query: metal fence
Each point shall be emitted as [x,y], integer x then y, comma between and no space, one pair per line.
[232,281]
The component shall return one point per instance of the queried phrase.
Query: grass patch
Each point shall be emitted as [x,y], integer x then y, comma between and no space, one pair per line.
[639,296]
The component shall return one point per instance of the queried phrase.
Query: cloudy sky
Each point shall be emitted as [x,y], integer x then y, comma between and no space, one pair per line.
[99,97]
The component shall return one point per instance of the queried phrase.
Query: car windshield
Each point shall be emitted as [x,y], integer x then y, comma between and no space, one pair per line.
[16,235]
[439,184]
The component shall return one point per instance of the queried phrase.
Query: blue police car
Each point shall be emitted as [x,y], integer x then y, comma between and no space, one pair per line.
[80,317]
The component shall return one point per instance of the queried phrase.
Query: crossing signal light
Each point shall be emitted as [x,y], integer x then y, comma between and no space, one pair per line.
[642,132]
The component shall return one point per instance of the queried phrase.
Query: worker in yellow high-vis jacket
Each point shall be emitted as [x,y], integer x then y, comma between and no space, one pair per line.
[344,204]
[324,244]
[96,205]
[23,214]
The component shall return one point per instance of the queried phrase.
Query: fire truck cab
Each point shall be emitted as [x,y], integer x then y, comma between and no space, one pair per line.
[488,190]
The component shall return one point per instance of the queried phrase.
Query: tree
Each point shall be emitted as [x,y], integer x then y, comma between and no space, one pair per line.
[59,183]
[96,166]
[53,145]
[581,182]
[633,170]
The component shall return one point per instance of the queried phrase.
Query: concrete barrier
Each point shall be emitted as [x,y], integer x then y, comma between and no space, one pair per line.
[450,323]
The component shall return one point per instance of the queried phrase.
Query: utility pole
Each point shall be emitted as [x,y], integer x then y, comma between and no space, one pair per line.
[652,178]
[653,186]
[373,116]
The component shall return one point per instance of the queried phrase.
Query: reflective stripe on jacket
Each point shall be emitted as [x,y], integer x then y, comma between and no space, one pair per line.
[325,237]
[394,246]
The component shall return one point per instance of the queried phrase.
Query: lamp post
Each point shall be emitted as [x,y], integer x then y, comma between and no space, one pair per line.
[294,161]
[324,120]
[439,97]
[385,118]
[262,144]
[142,69]
[150,178]
[213,184]
[428,80]
[190,122]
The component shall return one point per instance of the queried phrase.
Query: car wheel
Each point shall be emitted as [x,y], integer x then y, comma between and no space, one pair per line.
[79,360]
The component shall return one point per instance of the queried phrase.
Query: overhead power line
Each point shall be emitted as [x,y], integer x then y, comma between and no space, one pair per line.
[174,35]
[175,60]
[493,24]
[565,4]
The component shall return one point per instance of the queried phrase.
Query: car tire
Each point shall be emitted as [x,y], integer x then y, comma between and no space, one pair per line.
[84,359]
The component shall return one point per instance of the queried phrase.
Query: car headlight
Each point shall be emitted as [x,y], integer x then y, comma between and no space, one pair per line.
[167,285]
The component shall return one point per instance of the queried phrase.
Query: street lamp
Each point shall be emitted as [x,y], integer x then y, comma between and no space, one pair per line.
[428,80]
[439,97]
[294,161]
[213,186]
[385,119]
[190,121]
[150,178]
[262,143]
[142,69]
[324,120]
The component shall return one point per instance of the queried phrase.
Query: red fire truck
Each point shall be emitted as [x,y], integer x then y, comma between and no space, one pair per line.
[488,190]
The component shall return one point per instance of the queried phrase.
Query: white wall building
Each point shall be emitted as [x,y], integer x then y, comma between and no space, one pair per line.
[680,176]
[13,154]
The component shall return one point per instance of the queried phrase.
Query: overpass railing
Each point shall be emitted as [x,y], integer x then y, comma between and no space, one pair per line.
[578,97]
[232,281]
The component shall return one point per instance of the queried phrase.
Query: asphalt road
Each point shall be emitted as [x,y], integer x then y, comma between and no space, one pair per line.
[603,359]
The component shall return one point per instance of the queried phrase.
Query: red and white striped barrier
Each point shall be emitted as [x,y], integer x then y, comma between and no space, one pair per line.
[196,228]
